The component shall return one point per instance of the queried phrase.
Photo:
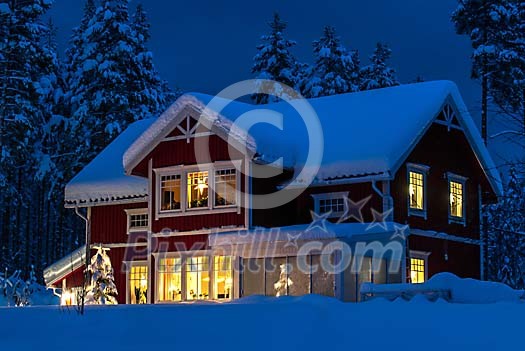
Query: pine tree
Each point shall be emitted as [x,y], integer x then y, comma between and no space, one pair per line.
[336,70]
[275,62]
[378,75]
[506,234]
[26,77]
[485,22]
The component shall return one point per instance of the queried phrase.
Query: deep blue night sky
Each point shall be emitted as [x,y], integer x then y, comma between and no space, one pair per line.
[206,45]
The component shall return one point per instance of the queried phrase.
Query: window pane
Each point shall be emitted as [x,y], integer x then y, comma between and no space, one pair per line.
[225,187]
[197,278]
[456,199]
[253,276]
[197,189]
[417,270]
[138,283]
[223,277]
[416,188]
[299,282]
[138,221]
[170,279]
[323,283]
[276,277]
[336,205]
[170,192]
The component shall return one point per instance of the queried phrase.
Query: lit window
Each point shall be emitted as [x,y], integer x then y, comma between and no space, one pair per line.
[197,278]
[197,189]
[417,270]
[138,221]
[138,284]
[170,192]
[170,279]
[416,190]
[456,199]
[336,205]
[225,187]
[223,278]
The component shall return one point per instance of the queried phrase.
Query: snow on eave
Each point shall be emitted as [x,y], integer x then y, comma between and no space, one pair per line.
[164,125]
[65,266]
[105,201]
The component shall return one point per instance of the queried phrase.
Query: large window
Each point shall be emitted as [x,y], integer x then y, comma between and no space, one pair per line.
[170,279]
[189,189]
[197,278]
[138,284]
[456,188]
[170,192]
[417,270]
[222,277]
[225,187]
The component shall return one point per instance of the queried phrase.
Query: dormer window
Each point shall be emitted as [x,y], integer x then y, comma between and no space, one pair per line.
[456,189]
[333,203]
[417,192]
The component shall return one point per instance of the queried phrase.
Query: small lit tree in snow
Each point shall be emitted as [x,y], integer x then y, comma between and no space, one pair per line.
[103,290]
[284,282]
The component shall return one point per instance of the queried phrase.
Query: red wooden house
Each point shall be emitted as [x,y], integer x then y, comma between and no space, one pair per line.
[184,201]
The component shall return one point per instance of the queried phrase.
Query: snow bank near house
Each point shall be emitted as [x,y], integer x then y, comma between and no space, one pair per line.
[462,291]
[474,291]
[262,323]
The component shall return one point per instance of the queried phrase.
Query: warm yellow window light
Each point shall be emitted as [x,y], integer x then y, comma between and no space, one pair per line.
[416,189]
[417,270]
[197,189]
[456,199]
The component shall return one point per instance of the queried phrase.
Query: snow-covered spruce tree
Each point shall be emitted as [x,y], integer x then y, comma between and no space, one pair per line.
[150,95]
[336,70]
[506,234]
[26,69]
[102,290]
[274,61]
[378,74]
[486,22]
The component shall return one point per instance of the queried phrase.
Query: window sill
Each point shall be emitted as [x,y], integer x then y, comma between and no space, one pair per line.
[138,230]
[457,220]
[417,213]
[197,212]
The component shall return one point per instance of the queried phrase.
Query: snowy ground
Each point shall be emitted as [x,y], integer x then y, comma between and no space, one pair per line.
[257,323]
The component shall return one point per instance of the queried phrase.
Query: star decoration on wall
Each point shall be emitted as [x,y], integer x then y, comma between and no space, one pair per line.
[319,221]
[292,240]
[354,209]
[400,232]
[379,219]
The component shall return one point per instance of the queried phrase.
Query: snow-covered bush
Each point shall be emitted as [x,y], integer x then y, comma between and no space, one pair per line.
[18,292]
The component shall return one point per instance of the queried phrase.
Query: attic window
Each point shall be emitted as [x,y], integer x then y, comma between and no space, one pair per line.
[417,189]
[170,192]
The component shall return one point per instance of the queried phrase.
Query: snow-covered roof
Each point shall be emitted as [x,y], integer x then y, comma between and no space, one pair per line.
[65,266]
[104,179]
[367,133]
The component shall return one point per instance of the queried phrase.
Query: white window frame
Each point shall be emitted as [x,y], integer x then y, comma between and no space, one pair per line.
[329,196]
[184,256]
[452,177]
[134,212]
[129,265]
[420,255]
[421,169]
[183,172]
